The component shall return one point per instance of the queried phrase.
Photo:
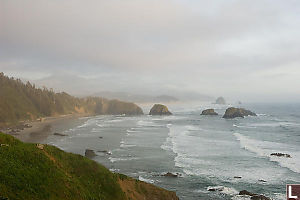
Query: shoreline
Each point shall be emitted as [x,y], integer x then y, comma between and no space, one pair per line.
[38,131]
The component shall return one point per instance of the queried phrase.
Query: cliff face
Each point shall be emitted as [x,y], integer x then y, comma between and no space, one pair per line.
[19,101]
[36,171]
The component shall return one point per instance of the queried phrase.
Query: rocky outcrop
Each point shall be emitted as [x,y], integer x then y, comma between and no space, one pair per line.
[220,100]
[209,112]
[254,196]
[90,153]
[237,112]
[281,155]
[59,134]
[159,109]
[215,188]
[169,174]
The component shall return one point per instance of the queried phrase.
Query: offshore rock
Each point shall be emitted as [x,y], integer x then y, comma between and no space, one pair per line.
[220,100]
[237,112]
[159,109]
[209,112]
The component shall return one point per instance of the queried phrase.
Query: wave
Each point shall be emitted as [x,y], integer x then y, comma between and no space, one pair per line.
[241,197]
[143,123]
[121,159]
[146,180]
[127,145]
[131,131]
[224,190]
[239,126]
[274,124]
[192,128]
[265,148]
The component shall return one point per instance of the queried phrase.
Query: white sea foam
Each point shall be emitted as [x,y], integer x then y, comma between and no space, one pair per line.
[146,180]
[241,197]
[224,190]
[274,124]
[131,131]
[143,124]
[265,148]
[127,145]
[114,170]
[279,196]
[261,114]
[121,159]
[192,128]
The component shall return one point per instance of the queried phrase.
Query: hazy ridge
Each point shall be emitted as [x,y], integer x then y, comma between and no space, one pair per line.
[20,101]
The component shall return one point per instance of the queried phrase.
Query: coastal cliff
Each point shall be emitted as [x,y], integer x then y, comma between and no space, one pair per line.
[20,101]
[37,171]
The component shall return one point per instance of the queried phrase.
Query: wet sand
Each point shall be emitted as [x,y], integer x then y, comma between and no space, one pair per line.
[41,130]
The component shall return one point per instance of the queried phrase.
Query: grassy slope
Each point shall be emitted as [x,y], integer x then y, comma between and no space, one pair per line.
[27,172]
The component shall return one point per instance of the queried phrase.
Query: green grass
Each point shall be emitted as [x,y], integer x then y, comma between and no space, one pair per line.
[27,172]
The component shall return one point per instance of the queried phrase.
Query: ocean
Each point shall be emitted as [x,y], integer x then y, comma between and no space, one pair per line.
[206,151]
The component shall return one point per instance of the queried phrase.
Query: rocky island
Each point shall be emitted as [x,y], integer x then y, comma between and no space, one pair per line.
[159,109]
[209,112]
[237,112]
[220,100]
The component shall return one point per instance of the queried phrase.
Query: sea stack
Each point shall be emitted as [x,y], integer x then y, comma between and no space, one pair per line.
[209,112]
[237,112]
[159,109]
[220,100]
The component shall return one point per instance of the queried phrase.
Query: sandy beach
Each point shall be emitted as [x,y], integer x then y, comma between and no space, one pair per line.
[38,131]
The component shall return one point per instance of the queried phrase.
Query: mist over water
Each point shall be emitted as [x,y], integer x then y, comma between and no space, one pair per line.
[207,151]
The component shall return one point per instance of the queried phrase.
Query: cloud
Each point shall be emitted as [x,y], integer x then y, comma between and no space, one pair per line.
[192,44]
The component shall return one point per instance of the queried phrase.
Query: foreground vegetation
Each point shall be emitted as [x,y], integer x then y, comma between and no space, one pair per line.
[20,101]
[31,171]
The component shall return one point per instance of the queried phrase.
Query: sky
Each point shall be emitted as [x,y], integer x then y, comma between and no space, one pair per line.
[243,50]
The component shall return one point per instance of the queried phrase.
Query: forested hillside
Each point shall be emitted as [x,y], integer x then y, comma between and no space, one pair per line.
[20,101]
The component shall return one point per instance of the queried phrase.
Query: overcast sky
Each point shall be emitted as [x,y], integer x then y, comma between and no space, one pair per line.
[240,49]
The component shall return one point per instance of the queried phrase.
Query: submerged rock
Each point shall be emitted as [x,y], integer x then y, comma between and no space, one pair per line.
[237,112]
[220,100]
[209,112]
[262,180]
[105,151]
[169,174]
[59,134]
[90,153]
[215,188]
[159,109]
[281,155]
[254,196]
[238,177]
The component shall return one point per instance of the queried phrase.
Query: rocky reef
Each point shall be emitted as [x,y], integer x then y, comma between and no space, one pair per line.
[237,112]
[209,112]
[281,155]
[254,196]
[220,100]
[159,109]
[90,153]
